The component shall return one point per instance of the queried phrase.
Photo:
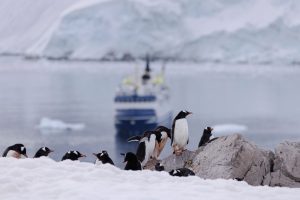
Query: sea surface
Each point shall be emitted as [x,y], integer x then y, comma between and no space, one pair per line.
[262,99]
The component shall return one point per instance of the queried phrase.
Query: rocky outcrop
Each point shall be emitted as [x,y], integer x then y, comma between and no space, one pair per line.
[286,170]
[233,157]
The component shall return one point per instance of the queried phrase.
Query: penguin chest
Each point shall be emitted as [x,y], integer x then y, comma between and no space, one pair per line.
[162,145]
[14,154]
[150,146]
[181,132]
[98,162]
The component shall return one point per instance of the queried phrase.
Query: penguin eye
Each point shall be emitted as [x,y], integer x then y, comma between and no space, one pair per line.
[69,152]
[44,148]
[76,152]
[101,154]
[22,148]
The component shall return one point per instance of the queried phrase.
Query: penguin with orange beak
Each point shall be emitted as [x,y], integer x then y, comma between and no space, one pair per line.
[180,132]
[15,151]
[72,155]
[43,152]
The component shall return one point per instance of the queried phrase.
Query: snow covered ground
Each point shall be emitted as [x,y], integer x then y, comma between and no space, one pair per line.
[224,31]
[44,178]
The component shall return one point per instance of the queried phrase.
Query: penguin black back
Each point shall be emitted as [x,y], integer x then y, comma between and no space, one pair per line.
[72,155]
[43,151]
[205,136]
[17,149]
[159,167]
[132,162]
[104,158]
[182,172]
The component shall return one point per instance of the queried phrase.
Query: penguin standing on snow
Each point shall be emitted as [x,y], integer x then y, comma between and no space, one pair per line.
[165,133]
[103,158]
[72,155]
[146,145]
[43,151]
[180,132]
[15,151]
[132,162]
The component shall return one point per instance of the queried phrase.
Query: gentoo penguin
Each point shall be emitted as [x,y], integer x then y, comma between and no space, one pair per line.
[132,162]
[159,167]
[205,136]
[72,155]
[43,151]
[180,132]
[16,151]
[182,172]
[103,158]
[146,145]
[165,133]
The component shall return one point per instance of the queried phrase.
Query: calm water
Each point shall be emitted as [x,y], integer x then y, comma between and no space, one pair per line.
[263,98]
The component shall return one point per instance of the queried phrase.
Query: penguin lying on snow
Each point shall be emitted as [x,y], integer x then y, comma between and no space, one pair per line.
[15,151]
[180,132]
[72,155]
[182,172]
[165,133]
[146,145]
[159,167]
[43,151]
[103,158]
[206,136]
[132,162]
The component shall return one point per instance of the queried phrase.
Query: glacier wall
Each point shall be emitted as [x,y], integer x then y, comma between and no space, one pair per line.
[257,31]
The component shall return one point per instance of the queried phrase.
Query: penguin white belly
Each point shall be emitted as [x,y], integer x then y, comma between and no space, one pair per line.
[181,133]
[150,146]
[98,162]
[13,154]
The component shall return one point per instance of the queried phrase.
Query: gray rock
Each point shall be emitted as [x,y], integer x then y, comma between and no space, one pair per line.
[286,170]
[232,157]
[173,161]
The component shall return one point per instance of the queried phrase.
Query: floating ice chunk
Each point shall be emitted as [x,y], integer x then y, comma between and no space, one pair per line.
[229,128]
[53,125]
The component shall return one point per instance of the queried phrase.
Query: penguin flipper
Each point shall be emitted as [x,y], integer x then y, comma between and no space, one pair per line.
[136,138]
[212,140]
[5,152]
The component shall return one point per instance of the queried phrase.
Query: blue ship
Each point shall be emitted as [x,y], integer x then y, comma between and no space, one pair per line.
[142,102]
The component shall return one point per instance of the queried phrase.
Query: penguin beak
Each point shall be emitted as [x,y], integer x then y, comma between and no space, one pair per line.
[95,154]
[51,150]
[82,155]
[189,113]
[25,155]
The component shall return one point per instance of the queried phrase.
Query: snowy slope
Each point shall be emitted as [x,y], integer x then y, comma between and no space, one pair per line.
[24,22]
[43,178]
[205,30]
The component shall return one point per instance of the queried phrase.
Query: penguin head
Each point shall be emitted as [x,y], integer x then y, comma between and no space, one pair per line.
[175,172]
[159,167]
[183,114]
[130,157]
[44,151]
[164,131]
[101,156]
[73,155]
[208,131]
[20,149]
